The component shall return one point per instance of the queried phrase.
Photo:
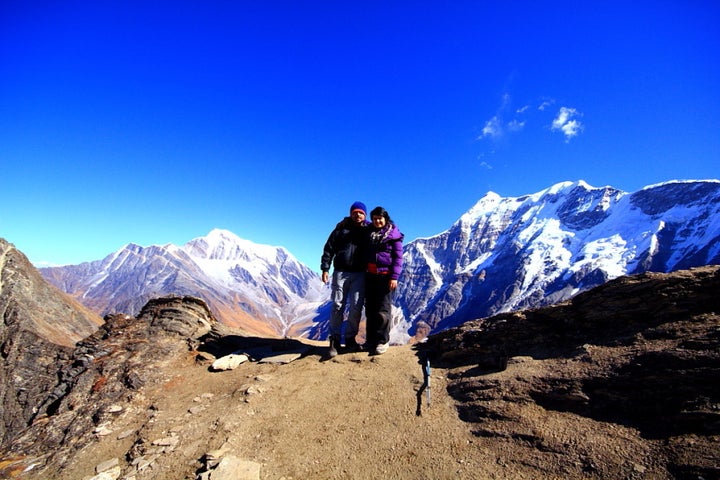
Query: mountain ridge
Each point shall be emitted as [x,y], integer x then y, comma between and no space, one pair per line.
[521,252]
[259,288]
[503,254]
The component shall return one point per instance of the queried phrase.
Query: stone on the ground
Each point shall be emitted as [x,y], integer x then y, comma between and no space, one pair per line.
[230,362]
[233,468]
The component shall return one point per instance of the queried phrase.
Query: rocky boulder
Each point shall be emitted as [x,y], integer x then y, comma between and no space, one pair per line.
[107,370]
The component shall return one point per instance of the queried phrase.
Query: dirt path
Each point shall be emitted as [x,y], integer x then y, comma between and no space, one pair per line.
[353,417]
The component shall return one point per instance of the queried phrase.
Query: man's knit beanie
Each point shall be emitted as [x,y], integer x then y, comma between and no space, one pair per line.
[358,206]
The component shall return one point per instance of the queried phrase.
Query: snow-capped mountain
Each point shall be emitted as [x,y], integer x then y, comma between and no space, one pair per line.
[512,253]
[259,288]
[503,254]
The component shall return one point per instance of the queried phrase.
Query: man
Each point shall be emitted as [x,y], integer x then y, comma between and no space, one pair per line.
[345,250]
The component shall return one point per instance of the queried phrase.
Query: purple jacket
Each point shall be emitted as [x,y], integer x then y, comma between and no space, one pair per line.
[385,251]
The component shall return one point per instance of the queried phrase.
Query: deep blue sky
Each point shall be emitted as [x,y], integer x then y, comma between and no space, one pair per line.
[155,122]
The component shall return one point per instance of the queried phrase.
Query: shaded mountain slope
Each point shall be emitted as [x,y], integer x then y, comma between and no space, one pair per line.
[39,328]
[41,308]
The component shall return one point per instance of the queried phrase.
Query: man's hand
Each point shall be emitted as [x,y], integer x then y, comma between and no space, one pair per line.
[393,285]
[325,277]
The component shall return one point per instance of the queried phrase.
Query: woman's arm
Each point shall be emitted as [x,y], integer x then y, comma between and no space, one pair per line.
[396,253]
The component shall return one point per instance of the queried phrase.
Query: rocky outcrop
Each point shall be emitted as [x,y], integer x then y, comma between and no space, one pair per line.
[39,329]
[107,370]
[642,352]
[188,317]
[621,308]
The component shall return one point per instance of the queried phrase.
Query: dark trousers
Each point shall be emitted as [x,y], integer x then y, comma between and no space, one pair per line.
[378,308]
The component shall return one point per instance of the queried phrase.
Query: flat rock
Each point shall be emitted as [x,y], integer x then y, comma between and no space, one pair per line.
[233,468]
[230,362]
[282,358]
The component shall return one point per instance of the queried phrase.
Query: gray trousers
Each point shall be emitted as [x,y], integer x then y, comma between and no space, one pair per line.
[347,291]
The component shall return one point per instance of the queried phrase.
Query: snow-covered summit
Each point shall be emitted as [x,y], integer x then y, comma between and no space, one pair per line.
[673,182]
[239,279]
[508,253]
[225,245]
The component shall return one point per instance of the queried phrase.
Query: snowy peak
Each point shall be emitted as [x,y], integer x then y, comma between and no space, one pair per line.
[261,288]
[225,245]
[673,195]
[584,207]
[519,252]
[576,203]
[503,254]
[489,203]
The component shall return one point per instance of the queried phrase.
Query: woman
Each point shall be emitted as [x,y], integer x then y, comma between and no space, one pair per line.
[383,270]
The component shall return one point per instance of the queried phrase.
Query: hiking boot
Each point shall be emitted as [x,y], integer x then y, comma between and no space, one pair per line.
[351,345]
[334,345]
[381,348]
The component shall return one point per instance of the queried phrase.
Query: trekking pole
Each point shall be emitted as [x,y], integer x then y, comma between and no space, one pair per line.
[426,374]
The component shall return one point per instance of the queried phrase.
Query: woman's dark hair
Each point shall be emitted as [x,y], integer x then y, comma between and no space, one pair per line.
[381,212]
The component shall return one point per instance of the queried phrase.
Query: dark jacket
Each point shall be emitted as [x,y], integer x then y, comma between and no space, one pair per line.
[346,247]
[385,251]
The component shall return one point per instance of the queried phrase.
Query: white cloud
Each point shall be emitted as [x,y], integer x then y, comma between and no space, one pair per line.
[492,128]
[508,120]
[506,99]
[498,126]
[515,125]
[486,165]
[567,123]
[545,104]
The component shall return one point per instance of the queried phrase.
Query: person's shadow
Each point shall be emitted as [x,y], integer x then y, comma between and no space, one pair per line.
[424,361]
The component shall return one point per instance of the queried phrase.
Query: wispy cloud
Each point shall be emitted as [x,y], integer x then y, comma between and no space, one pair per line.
[493,128]
[566,122]
[504,121]
[547,102]
[515,125]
